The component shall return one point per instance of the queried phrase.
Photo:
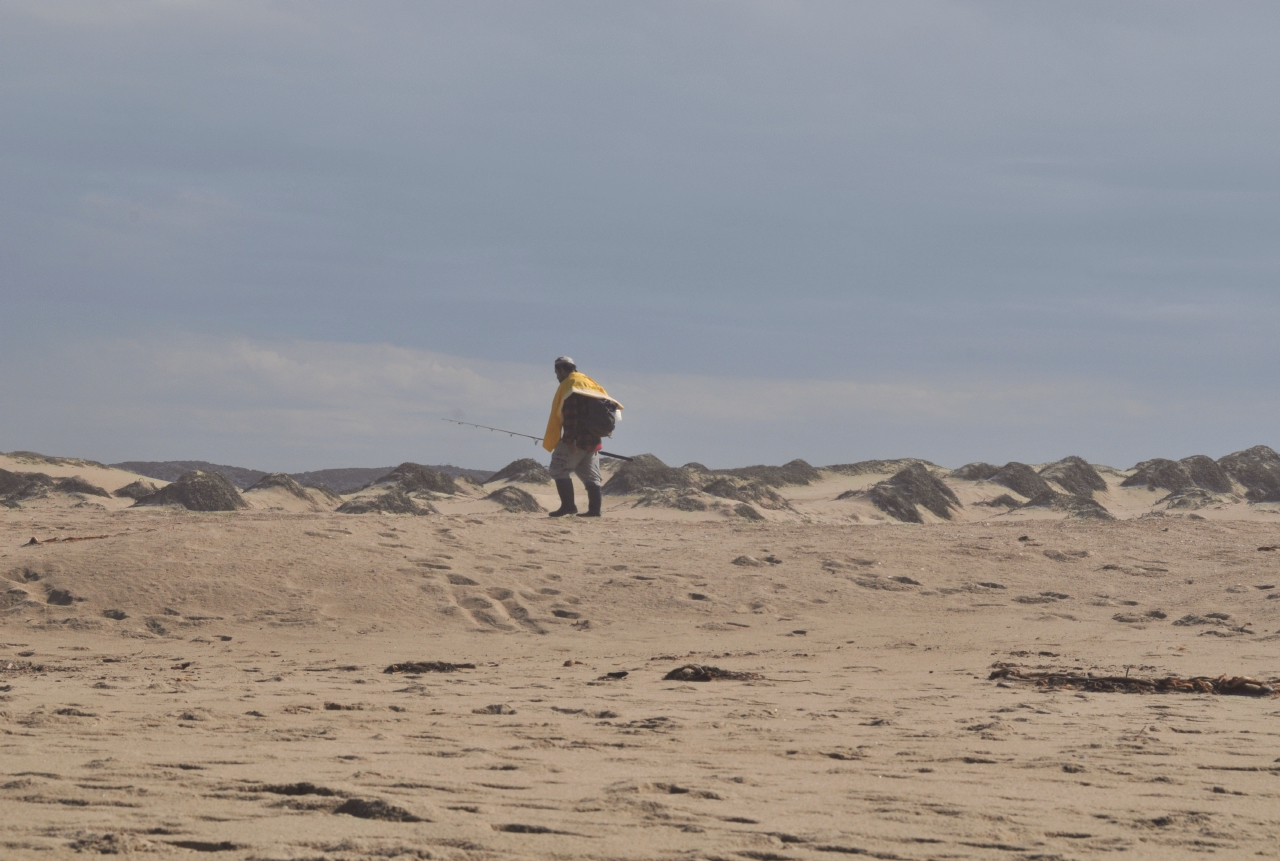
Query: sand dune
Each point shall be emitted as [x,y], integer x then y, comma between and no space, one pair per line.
[175,682]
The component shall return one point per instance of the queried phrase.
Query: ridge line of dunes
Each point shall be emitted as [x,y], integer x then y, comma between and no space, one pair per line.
[912,489]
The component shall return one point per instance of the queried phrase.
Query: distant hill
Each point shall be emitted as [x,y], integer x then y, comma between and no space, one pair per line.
[342,480]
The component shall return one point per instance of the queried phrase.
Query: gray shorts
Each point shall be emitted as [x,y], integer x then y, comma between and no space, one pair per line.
[565,459]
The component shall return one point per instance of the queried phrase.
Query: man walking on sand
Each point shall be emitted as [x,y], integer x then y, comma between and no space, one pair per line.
[574,449]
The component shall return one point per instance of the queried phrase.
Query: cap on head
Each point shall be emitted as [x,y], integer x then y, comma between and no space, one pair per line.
[566,362]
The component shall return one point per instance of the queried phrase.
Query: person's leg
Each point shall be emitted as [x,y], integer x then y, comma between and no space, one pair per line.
[562,465]
[589,472]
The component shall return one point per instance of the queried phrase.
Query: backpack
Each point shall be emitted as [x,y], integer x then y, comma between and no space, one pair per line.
[600,417]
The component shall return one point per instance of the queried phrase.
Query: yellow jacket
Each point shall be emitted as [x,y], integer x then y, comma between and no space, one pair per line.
[578,383]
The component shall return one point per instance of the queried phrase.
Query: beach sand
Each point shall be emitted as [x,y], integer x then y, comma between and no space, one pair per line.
[237,704]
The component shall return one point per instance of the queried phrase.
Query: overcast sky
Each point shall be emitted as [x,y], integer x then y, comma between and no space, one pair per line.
[293,235]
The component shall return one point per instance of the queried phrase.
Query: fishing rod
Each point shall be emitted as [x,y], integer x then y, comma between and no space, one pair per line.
[536,439]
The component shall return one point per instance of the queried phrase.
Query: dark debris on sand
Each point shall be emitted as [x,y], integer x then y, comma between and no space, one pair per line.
[706,673]
[427,667]
[375,808]
[515,500]
[526,470]
[300,788]
[1225,685]
[198,491]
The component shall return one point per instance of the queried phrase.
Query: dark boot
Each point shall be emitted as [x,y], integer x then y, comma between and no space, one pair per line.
[565,488]
[593,501]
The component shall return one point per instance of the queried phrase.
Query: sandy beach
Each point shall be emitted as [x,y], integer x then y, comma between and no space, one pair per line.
[181,682]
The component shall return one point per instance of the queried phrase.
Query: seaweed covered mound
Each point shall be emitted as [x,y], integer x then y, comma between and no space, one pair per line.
[753,490]
[1160,473]
[1004,500]
[1079,507]
[1195,472]
[515,500]
[526,470]
[976,471]
[414,477]
[1258,469]
[282,481]
[324,490]
[137,490]
[1021,479]
[12,483]
[645,472]
[686,499]
[863,467]
[910,487]
[76,484]
[391,501]
[1075,476]
[16,486]
[793,472]
[198,490]
[1207,474]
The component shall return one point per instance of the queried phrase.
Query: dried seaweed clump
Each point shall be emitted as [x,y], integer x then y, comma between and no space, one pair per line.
[515,500]
[526,470]
[706,673]
[198,490]
[1074,475]
[427,667]
[910,487]
[392,501]
[1258,469]
[376,808]
[1225,685]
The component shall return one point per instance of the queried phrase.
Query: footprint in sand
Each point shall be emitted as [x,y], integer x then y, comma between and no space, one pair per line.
[497,607]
